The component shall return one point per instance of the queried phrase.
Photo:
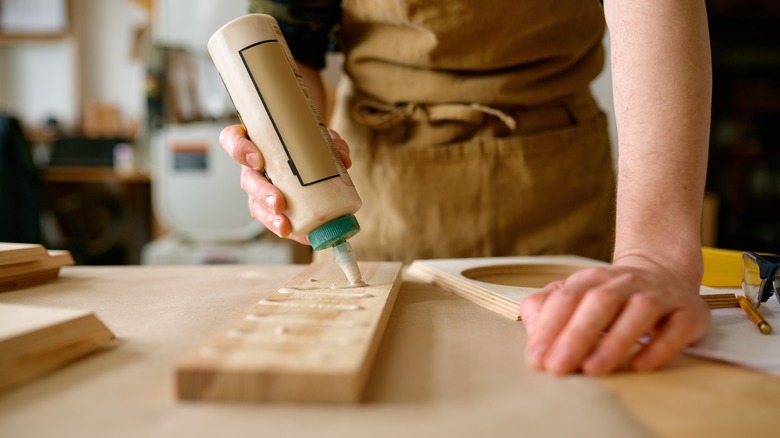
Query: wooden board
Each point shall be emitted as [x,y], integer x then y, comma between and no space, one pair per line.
[36,340]
[23,265]
[501,283]
[11,253]
[498,283]
[307,342]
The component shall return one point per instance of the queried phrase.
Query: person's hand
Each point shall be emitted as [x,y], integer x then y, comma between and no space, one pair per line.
[592,321]
[266,202]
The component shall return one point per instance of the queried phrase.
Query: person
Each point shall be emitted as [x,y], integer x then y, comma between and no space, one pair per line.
[471,131]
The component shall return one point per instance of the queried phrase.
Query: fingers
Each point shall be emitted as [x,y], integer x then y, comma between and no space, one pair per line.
[342,147]
[264,195]
[531,308]
[639,317]
[558,309]
[267,204]
[680,330]
[278,224]
[593,321]
[234,141]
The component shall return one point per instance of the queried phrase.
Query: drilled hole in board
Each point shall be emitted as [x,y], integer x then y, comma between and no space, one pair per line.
[525,275]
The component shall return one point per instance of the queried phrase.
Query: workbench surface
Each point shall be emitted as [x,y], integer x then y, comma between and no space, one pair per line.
[445,367]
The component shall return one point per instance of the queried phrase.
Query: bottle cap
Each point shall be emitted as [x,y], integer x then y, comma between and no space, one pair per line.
[334,232]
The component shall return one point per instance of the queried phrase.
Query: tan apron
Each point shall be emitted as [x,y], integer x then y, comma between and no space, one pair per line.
[517,170]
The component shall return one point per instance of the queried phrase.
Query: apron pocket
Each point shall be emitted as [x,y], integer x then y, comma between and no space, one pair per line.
[544,193]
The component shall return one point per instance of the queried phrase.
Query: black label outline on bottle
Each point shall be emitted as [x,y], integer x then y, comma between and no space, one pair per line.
[290,161]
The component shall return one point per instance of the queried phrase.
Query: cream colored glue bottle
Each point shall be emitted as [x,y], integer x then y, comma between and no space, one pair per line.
[274,105]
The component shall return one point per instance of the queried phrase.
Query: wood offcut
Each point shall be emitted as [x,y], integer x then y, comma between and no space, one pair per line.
[23,265]
[36,340]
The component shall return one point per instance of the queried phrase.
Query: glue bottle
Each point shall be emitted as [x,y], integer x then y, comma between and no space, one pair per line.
[277,111]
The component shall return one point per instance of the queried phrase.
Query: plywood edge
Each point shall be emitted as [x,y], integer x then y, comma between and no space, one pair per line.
[262,364]
[466,289]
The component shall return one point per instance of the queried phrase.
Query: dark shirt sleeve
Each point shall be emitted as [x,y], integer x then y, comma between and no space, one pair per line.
[309,26]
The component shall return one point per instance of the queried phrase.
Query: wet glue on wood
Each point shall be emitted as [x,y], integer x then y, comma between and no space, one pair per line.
[279,116]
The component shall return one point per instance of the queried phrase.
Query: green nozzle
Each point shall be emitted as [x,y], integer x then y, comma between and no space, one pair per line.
[334,232]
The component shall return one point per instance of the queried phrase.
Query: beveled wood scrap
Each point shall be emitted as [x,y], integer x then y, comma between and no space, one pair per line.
[36,340]
[307,342]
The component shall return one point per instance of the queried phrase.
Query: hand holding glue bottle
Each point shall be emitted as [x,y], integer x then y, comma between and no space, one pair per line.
[300,157]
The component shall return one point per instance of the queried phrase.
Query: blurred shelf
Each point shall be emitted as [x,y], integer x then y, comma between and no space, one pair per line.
[90,174]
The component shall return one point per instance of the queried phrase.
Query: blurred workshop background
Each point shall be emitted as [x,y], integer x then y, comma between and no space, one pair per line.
[110,112]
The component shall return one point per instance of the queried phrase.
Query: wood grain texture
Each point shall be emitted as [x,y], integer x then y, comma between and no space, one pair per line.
[727,401]
[313,340]
[36,340]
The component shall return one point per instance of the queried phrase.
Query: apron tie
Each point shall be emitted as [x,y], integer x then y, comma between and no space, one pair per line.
[383,116]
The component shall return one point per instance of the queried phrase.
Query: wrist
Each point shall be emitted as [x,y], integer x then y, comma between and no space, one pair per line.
[685,262]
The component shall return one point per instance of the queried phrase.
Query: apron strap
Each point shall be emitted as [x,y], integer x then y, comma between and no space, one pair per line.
[383,116]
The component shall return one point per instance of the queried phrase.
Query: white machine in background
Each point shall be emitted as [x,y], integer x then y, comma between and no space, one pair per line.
[197,198]
[195,184]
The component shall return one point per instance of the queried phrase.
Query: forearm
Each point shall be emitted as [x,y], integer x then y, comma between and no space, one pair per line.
[662,89]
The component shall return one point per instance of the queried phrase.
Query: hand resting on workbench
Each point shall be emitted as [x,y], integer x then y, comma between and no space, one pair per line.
[592,320]
[266,202]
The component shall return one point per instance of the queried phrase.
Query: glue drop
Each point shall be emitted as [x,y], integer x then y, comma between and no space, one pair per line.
[279,116]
